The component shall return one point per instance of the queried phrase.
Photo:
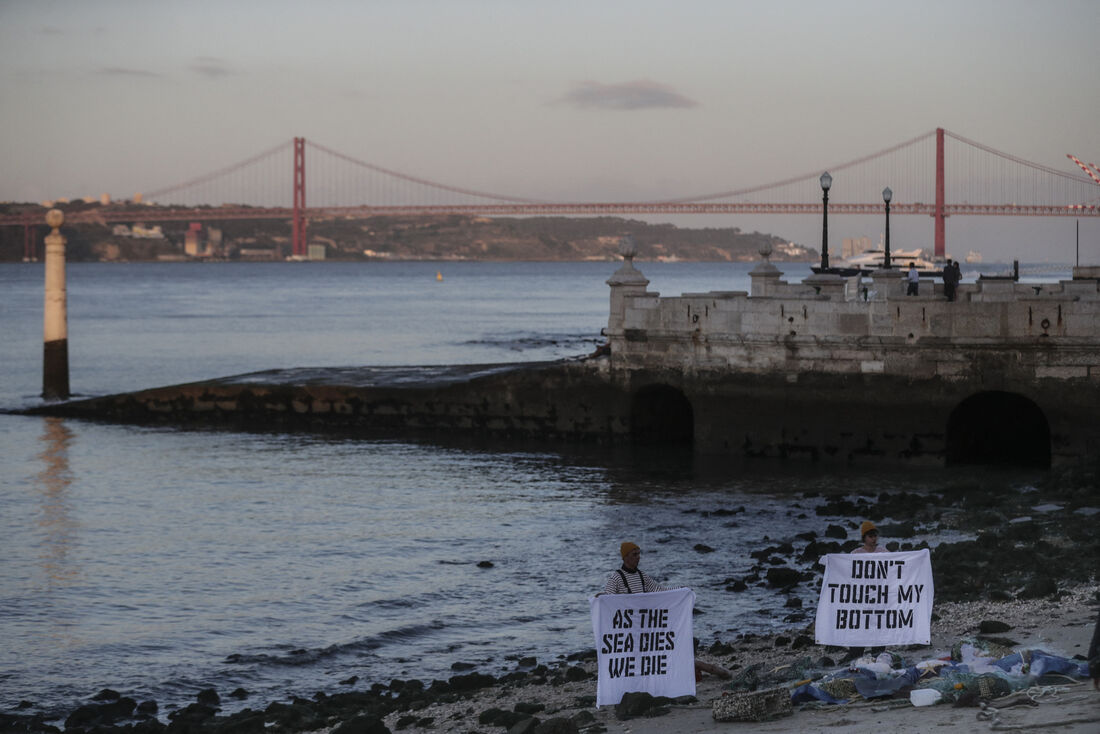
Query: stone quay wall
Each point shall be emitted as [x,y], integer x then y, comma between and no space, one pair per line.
[851,367]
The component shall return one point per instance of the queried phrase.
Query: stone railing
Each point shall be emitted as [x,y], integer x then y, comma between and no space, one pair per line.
[853,325]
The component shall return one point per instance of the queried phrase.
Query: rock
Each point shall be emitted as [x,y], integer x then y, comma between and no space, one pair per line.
[361,725]
[528,708]
[93,715]
[1039,587]
[793,603]
[802,641]
[152,726]
[818,548]
[556,726]
[18,724]
[209,696]
[701,548]
[992,626]
[582,717]
[346,682]
[106,695]
[897,530]
[82,716]
[635,704]
[737,586]
[148,708]
[836,531]
[242,722]
[485,564]
[576,673]
[190,716]
[462,666]
[781,641]
[720,648]
[471,681]
[782,576]
[295,716]
[526,726]
[500,717]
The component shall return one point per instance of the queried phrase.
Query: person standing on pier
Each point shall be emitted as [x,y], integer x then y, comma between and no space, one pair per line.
[913,278]
[951,276]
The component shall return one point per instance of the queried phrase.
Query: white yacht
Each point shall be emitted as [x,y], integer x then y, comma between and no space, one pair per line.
[869,261]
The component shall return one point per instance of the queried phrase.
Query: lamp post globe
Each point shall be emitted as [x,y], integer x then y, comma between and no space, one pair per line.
[887,194]
[826,184]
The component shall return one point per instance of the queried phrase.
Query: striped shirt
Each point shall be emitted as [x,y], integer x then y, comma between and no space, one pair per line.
[635,583]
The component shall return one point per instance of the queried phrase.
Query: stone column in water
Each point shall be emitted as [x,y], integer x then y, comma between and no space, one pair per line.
[55,331]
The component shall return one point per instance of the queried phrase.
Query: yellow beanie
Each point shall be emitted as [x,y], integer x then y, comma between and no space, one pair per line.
[865,528]
[626,548]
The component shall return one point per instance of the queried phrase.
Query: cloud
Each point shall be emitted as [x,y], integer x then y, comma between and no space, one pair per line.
[51,30]
[636,95]
[210,67]
[123,71]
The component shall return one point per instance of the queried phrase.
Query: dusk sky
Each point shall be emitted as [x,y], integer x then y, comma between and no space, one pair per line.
[557,100]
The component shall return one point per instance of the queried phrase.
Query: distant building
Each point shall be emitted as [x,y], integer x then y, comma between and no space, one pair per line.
[143,232]
[192,240]
[316,252]
[258,253]
[853,246]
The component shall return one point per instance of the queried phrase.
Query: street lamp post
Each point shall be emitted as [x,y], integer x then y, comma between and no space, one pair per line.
[887,194]
[826,182]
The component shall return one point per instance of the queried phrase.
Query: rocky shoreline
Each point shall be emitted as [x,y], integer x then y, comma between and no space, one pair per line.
[1032,561]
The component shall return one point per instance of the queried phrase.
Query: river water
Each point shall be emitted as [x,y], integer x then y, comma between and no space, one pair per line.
[161,561]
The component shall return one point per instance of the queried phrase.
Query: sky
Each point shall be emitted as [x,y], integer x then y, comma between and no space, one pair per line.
[559,100]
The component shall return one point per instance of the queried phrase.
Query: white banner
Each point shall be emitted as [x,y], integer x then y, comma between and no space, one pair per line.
[872,599]
[644,643]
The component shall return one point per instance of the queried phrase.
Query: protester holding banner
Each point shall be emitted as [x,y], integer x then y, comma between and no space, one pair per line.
[868,535]
[628,578]
[883,600]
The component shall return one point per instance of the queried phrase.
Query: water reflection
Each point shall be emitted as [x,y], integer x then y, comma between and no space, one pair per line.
[55,520]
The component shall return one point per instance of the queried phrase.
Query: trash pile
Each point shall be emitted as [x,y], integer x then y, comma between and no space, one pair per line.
[977,670]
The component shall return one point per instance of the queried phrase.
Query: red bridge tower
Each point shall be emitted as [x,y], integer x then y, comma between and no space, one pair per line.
[298,226]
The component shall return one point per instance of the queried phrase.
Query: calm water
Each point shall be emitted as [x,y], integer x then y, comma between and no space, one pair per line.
[159,561]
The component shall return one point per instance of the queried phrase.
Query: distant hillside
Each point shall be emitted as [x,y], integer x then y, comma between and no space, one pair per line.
[449,237]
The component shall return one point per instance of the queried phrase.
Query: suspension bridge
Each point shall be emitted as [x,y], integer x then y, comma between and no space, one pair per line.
[938,174]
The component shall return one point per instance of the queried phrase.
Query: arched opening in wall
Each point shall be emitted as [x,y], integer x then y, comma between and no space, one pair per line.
[660,414]
[998,428]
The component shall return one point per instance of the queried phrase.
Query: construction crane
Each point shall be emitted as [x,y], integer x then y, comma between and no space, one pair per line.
[1090,169]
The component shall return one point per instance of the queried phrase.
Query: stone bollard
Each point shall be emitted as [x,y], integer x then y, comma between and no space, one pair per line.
[55,329]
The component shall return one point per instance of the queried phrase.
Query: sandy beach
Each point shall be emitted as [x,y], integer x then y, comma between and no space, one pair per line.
[1061,627]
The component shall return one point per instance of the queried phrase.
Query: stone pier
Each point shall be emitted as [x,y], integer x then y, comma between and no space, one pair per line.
[845,370]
